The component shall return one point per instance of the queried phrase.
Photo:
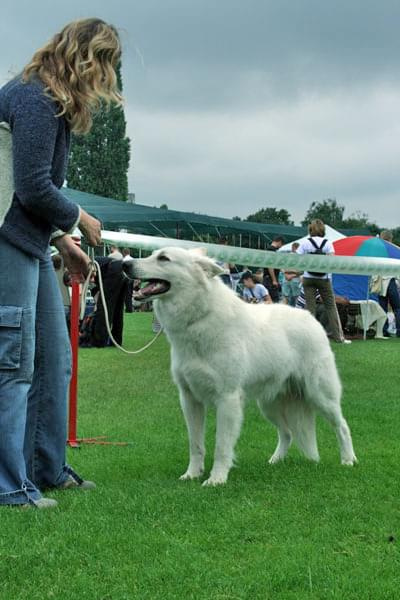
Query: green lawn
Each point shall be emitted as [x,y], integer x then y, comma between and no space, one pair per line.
[290,531]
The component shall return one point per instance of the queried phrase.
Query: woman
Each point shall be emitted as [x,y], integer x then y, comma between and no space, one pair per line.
[57,93]
[320,282]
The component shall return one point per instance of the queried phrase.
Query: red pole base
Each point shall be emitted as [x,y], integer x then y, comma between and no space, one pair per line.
[98,440]
[73,443]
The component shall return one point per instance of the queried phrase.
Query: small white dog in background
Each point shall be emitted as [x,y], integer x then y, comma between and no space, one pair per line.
[225,351]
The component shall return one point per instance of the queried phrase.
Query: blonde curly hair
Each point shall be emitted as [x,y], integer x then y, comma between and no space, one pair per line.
[77,67]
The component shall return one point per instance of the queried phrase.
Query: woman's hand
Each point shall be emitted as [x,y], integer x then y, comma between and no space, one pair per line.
[90,228]
[75,260]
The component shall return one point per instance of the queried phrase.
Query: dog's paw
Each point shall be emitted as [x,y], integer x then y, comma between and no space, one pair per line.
[275,458]
[190,475]
[349,462]
[214,480]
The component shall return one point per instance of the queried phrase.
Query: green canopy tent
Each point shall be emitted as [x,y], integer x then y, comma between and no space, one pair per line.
[138,218]
[147,220]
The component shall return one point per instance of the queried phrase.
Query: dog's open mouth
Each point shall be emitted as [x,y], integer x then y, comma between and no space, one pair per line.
[154,287]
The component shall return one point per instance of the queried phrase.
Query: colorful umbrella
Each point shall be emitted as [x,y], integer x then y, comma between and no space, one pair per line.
[364,245]
[355,287]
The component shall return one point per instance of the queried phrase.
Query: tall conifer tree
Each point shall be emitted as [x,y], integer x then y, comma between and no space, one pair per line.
[99,161]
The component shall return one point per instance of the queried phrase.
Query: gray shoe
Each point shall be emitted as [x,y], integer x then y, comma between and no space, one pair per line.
[41,504]
[72,484]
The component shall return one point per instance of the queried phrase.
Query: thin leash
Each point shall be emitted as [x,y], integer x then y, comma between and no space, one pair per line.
[95,267]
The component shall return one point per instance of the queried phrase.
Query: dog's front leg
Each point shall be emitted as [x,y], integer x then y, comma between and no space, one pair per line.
[229,421]
[195,416]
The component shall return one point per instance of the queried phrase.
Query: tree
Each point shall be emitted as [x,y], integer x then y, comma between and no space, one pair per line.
[328,211]
[164,206]
[99,161]
[359,220]
[236,218]
[396,236]
[271,215]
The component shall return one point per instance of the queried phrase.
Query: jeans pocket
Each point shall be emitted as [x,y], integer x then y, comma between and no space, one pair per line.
[10,337]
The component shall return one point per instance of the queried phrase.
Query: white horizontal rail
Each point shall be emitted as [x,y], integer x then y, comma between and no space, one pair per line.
[353,265]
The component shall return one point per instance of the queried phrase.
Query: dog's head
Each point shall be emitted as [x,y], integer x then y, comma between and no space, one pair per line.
[169,271]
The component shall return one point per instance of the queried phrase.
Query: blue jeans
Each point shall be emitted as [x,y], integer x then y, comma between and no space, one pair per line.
[392,298]
[35,369]
[291,290]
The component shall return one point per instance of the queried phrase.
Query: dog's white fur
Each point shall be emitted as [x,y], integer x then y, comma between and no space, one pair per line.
[225,351]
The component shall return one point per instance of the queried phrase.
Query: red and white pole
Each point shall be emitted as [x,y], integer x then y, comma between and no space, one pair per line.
[73,386]
[72,439]
[74,333]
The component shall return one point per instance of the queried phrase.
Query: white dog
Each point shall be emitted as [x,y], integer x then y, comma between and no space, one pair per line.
[224,351]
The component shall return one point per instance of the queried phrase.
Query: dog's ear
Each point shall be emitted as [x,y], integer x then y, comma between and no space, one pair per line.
[209,266]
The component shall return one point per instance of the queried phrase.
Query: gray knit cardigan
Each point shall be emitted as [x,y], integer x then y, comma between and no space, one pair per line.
[40,145]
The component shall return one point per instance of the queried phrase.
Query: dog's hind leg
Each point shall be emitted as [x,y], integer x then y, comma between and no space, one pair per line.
[325,397]
[195,416]
[274,413]
[333,414]
[229,421]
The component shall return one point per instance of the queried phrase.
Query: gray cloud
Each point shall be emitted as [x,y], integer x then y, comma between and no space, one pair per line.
[235,105]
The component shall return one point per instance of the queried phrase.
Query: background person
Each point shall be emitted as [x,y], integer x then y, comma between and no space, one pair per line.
[341,302]
[115,253]
[57,92]
[259,276]
[320,282]
[271,276]
[254,293]
[115,282]
[389,293]
[291,283]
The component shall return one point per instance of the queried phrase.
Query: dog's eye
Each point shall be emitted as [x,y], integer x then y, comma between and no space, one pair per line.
[163,257]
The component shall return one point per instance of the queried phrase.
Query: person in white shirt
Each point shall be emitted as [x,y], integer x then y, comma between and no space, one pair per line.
[126,255]
[253,292]
[320,282]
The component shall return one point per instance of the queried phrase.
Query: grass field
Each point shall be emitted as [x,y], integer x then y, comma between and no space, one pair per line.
[290,531]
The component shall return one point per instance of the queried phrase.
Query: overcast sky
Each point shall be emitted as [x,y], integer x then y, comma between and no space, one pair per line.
[236,105]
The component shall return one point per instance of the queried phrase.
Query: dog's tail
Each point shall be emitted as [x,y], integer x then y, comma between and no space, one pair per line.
[300,419]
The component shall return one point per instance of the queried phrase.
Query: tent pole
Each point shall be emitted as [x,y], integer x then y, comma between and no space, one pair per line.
[195,232]
[158,229]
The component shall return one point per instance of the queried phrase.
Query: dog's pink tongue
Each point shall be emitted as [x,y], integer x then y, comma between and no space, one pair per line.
[148,289]
[154,287]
